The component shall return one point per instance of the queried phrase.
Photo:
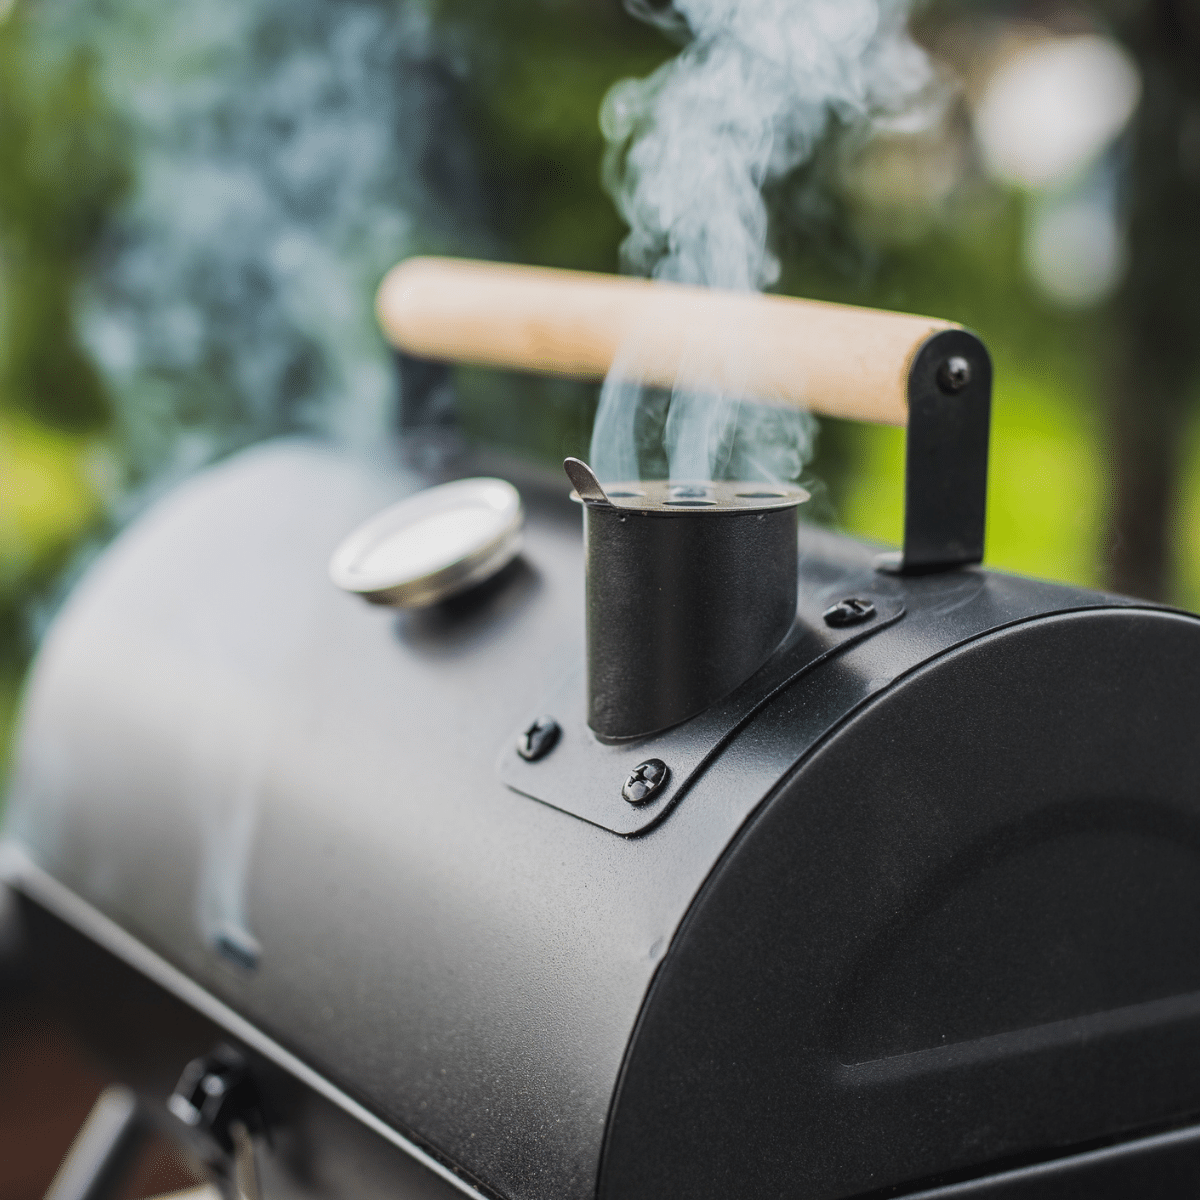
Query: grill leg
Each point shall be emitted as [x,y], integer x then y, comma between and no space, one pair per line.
[103,1149]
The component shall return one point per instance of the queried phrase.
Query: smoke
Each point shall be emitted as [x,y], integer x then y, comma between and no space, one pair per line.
[690,150]
[285,153]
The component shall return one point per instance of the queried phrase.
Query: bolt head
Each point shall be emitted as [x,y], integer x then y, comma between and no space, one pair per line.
[646,780]
[213,1094]
[539,739]
[851,611]
[954,374]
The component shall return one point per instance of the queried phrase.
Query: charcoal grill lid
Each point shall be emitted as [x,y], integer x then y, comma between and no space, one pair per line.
[433,545]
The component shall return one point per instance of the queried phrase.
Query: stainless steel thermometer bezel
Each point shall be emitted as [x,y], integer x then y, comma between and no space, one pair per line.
[482,550]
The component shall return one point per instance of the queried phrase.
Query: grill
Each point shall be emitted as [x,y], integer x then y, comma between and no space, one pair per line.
[710,854]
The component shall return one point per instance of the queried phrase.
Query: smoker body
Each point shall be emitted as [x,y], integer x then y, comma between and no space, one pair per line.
[921,912]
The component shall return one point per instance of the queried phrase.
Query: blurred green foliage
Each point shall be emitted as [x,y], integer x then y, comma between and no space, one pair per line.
[62,174]
[537,72]
[534,96]
[1045,494]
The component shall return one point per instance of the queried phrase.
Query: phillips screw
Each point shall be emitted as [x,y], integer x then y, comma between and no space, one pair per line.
[539,739]
[645,780]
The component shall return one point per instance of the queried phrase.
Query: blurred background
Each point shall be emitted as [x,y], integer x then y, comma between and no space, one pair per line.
[197,203]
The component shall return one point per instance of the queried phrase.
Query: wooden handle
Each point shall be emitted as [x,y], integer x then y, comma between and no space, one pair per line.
[831,358]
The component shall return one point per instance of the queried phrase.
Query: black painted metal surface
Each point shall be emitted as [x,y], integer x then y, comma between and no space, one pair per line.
[141,1030]
[963,929]
[583,775]
[946,452]
[1166,1164]
[217,743]
[681,608]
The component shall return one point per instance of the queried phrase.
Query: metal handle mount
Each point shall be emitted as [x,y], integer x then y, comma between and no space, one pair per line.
[945,487]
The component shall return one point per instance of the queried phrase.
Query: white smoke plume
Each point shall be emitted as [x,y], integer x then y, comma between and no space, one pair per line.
[690,149]
[285,153]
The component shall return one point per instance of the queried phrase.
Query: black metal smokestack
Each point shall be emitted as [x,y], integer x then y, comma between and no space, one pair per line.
[690,588]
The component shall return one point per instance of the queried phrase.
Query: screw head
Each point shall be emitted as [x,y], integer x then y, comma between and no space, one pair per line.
[646,780]
[539,739]
[954,374]
[852,611]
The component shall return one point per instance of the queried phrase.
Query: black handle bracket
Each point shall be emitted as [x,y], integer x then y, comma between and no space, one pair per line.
[945,489]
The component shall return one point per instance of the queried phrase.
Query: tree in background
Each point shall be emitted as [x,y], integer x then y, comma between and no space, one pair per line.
[1155,362]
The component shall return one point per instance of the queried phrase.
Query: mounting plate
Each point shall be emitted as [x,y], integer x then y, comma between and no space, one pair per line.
[583,776]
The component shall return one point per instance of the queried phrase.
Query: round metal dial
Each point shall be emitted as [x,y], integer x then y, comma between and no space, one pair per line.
[432,545]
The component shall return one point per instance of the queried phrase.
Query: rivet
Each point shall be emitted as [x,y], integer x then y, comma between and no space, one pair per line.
[645,780]
[954,374]
[539,739]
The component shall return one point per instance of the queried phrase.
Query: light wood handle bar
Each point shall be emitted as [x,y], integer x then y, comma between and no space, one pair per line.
[831,358]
